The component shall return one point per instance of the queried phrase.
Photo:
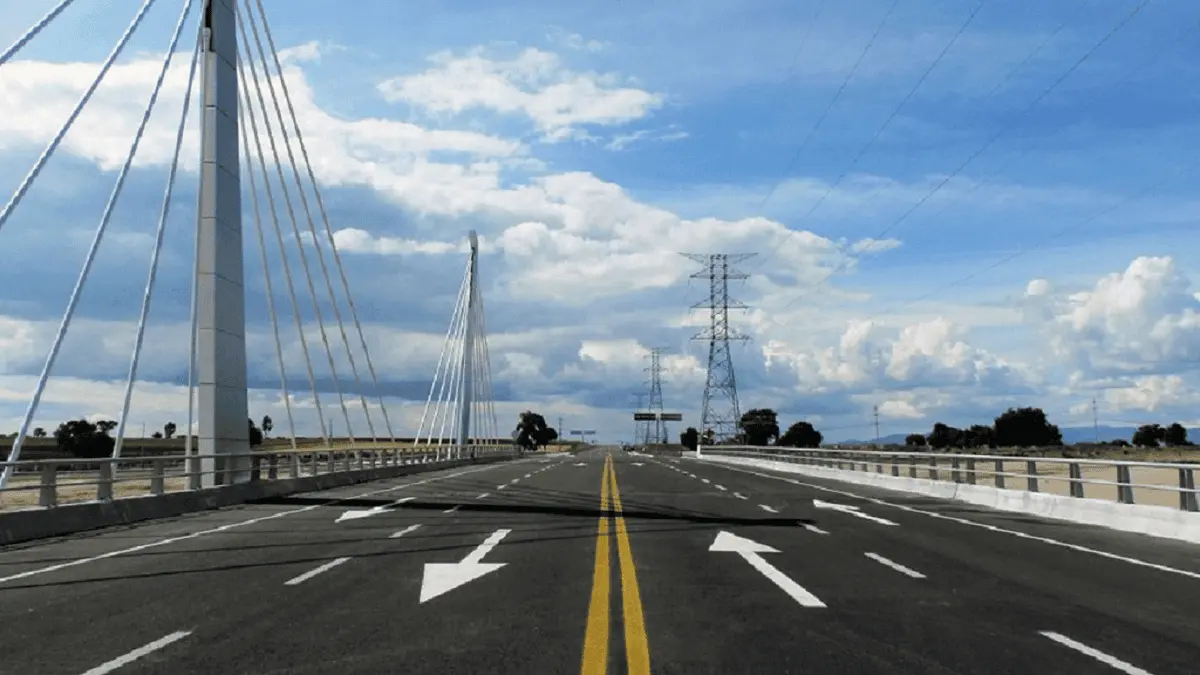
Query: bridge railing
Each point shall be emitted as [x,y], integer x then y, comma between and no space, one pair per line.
[47,483]
[1128,482]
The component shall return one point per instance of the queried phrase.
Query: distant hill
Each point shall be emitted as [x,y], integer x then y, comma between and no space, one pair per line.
[1070,435]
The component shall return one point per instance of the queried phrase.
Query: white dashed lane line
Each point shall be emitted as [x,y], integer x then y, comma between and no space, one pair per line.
[740,495]
[408,530]
[1112,661]
[452,509]
[126,659]
[814,529]
[894,565]
[768,509]
[314,572]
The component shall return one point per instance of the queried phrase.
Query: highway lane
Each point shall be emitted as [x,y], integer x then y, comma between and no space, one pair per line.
[82,615]
[496,570]
[1004,584]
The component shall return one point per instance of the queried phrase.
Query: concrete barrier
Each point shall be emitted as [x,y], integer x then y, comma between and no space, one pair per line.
[1157,521]
[31,524]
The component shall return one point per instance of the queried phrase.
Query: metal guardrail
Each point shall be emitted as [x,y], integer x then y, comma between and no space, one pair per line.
[107,478]
[967,469]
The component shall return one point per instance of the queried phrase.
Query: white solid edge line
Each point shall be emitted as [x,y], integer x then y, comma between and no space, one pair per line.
[894,565]
[1100,656]
[972,523]
[314,572]
[407,530]
[138,653]
[231,526]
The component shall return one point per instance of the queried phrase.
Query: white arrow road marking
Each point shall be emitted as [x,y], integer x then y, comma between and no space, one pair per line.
[749,549]
[314,572]
[894,565]
[355,514]
[766,508]
[444,577]
[852,510]
[814,529]
[1100,656]
[138,653]
[408,530]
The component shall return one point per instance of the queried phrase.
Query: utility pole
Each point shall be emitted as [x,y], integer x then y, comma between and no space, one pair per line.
[1095,420]
[877,443]
[721,412]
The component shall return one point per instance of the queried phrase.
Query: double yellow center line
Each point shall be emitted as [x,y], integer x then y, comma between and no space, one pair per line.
[595,644]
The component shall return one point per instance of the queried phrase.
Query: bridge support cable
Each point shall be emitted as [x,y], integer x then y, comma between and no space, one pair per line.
[101,228]
[485,363]
[160,230]
[308,216]
[266,266]
[328,229]
[460,395]
[260,156]
[453,384]
[15,200]
[29,34]
[267,126]
[440,375]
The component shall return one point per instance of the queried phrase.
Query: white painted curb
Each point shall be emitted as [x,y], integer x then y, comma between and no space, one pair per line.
[1157,521]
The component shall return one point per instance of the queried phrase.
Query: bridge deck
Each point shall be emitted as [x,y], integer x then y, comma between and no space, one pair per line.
[303,585]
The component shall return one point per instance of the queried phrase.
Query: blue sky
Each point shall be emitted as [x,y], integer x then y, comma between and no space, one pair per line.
[588,143]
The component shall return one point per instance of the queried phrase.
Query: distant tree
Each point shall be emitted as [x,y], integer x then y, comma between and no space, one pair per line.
[1176,435]
[915,440]
[943,436]
[759,426]
[39,432]
[979,436]
[157,434]
[1119,442]
[709,437]
[256,435]
[690,439]
[1025,428]
[532,431]
[84,439]
[1149,436]
[268,425]
[169,430]
[801,435]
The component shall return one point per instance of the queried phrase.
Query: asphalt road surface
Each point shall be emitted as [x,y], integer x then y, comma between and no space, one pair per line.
[601,563]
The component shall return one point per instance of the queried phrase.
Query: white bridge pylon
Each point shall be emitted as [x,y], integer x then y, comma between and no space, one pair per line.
[460,414]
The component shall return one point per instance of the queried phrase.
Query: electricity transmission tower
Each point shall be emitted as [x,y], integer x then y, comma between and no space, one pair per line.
[720,412]
[640,428]
[656,399]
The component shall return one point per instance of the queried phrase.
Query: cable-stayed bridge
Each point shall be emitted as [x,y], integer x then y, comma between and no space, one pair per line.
[450,550]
